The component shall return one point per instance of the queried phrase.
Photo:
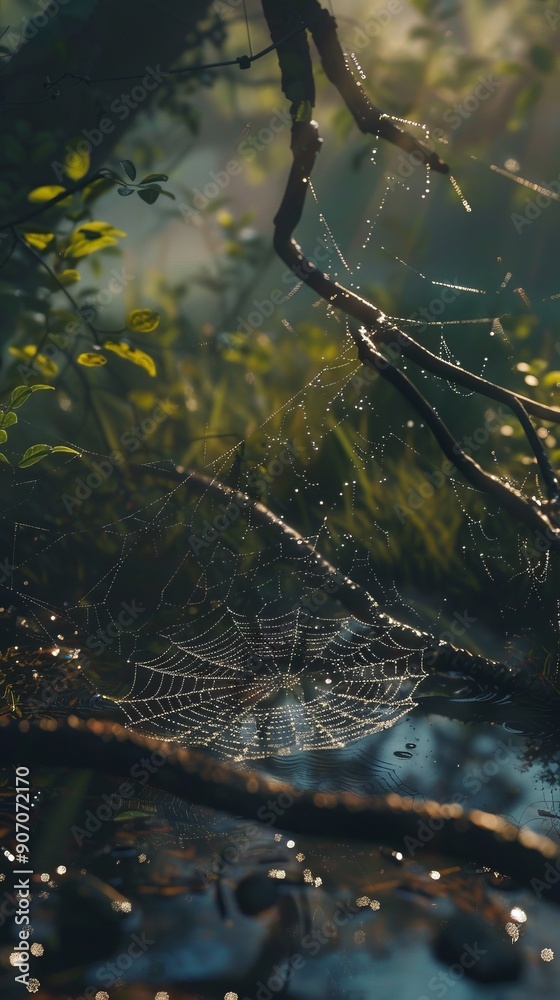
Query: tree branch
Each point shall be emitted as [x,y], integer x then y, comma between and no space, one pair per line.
[305,146]
[435,655]
[467,835]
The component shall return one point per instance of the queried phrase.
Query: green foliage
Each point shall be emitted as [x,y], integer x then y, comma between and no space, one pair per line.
[220,382]
[18,397]
[39,451]
[148,189]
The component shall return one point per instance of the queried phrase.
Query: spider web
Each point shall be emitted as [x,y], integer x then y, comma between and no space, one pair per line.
[274,685]
[235,643]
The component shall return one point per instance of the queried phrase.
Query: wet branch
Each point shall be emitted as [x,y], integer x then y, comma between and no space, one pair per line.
[297,74]
[434,655]
[374,331]
[467,835]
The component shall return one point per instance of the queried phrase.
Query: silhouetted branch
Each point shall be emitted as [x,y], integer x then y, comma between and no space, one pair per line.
[374,331]
[467,835]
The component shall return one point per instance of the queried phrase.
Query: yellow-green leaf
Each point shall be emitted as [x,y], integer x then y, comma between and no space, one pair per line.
[38,240]
[551,378]
[142,399]
[39,361]
[92,236]
[142,320]
[69,276]
[132,354]
[45,365]
[65,449]
[39,451]
[225,219]
[21,393]
[80,248]
[92,360]
[34,454]
[45,193]
[103,228]
[23,352]
[76,164]
[8,419]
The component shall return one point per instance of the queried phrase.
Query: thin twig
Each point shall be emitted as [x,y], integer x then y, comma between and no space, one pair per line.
[52,201]
[60,286]
[243,62]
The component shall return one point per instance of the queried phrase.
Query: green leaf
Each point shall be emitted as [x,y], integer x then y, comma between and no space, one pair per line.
[124,191]
[4,459]
[111,175]
[3,436]
[22,393]
[149,195]
[34,454]
[129,169]
[65,449]
[39,451]
[8,419]
[150,178]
